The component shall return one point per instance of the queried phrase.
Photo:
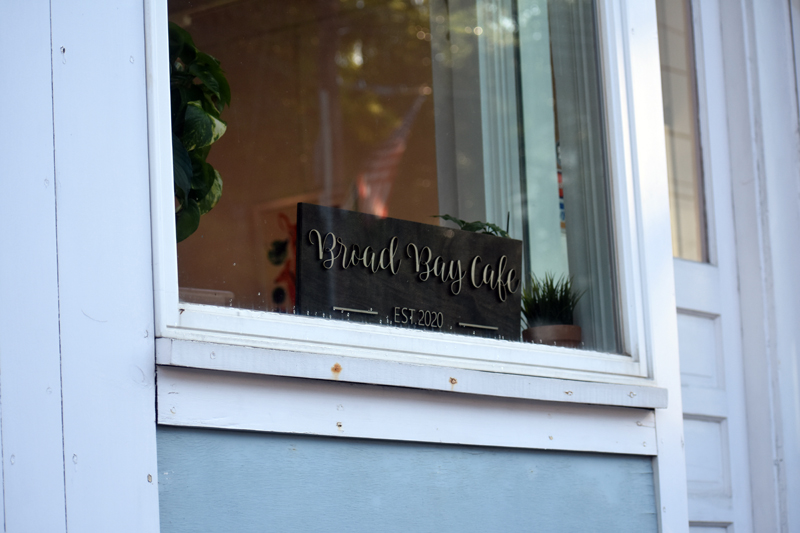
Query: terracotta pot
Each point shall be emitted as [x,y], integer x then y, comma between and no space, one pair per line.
[560,335]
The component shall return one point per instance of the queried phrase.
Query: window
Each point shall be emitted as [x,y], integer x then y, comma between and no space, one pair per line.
[225,359]
[487,110]
[684,159]
[510,113]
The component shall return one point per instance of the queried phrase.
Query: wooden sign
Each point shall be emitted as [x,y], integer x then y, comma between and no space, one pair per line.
[352,266]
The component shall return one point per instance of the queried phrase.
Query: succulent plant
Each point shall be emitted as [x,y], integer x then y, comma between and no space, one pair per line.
[549,301]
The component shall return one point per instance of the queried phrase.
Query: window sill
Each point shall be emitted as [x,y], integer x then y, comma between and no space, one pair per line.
[361,370]
[295,333]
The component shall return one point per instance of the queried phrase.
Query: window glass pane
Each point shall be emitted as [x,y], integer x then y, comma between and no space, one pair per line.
[487,110]
[582,168]
[684,165]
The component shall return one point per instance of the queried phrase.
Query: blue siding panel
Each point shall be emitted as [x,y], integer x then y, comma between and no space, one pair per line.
[246,482]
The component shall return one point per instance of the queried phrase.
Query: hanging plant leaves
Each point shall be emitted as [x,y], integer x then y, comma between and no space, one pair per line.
[181,44]
[200,129]
[214,194]
[208,70]
[202,179]
[187,219]
[181,169]
[199,93]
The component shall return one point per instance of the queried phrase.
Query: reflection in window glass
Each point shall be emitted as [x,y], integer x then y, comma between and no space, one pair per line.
[684,165]
[484,110]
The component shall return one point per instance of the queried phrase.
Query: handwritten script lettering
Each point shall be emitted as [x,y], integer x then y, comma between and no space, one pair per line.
[439,268]
[331,248]
[494,278]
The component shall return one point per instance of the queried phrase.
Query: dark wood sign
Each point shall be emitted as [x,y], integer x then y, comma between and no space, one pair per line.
[363,268]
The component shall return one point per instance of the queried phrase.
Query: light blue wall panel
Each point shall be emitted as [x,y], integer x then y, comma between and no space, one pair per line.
[241,482]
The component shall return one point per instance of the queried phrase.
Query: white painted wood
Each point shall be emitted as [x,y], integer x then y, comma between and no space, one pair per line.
[370,371]
[30,368]
[104,266]
[700,401]
[794,12]
[752,253]
[708,463]
[313,335]
[748,201]
[162,200]
[225,325]
[708,313]
[191,397]
[709,508]
[779,180]
[700,344]
[641,216]
[616,68]
[649,168]
[699,285]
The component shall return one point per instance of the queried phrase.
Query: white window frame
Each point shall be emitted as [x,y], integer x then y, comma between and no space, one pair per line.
[632,127]
[233,368]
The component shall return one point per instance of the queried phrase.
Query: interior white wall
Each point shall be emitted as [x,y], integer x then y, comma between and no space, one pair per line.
[76,295]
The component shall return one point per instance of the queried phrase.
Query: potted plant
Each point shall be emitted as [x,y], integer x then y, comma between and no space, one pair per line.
[478,226]
[547,306]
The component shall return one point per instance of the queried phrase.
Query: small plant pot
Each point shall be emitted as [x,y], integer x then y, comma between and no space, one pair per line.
[560,335]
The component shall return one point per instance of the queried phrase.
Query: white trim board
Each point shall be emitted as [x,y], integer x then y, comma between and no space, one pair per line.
[294,333]
[31,440]
[634,122]
[328,367]
[201,398]
[299,333]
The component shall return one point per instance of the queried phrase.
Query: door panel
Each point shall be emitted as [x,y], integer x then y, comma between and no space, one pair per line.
[709,326]
[714,422]
[707,461]
[701,350]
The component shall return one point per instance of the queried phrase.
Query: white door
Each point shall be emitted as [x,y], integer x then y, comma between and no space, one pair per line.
[706,287]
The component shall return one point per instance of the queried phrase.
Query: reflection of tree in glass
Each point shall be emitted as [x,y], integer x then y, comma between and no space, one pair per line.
[384,62]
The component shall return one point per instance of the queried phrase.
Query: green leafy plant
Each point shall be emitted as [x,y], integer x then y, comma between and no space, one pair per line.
[549,301]
[199,92]
[477,226]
